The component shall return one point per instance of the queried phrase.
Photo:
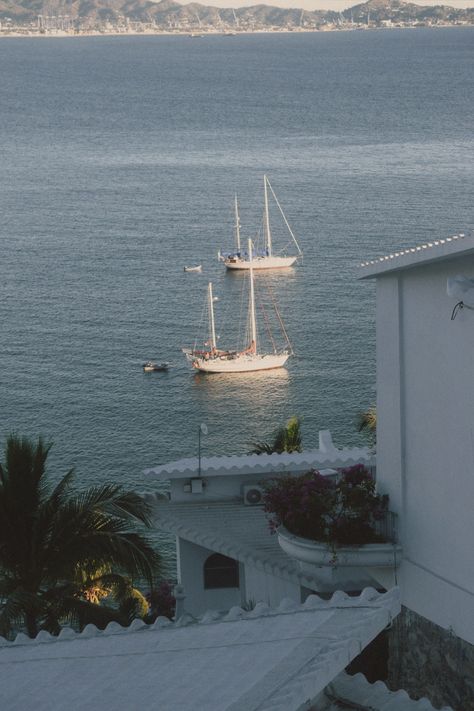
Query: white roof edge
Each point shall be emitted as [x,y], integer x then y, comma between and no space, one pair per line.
[327,456]
[369,597]
[446,248]
[299,678]
[357,690]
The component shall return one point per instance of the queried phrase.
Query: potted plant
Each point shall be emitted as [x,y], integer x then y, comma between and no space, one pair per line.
[318,518]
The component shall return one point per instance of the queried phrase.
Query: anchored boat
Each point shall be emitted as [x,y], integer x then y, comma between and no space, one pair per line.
[268,258]
[215,360]
[150,366]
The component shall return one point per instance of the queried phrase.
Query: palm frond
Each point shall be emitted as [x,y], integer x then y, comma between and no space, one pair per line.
[128,504]
[293,435]
[285,439]
[16,608]
[119,586]
[261,448]
[55,543]
[93,539]
[78,613]
[133,606]
[61,490]
[367,420]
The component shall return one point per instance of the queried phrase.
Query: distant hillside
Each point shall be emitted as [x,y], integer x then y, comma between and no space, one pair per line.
[173,16]
[397,10]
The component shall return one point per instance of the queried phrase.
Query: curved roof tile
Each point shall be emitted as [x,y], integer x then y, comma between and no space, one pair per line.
[456,245]
[327,456]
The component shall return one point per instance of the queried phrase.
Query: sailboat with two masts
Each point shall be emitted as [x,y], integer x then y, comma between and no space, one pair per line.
[267,259]
[250,359]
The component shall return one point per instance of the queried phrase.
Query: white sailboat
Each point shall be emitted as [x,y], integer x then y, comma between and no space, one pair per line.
[268,259]
[250,359]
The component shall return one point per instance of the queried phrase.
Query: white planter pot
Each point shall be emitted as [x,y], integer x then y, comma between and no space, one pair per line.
[312,553]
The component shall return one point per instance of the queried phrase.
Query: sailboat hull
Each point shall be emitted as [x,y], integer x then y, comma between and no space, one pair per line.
[240,364]
[260,263]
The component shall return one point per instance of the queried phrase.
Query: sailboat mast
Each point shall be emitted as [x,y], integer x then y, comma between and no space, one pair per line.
[237,225]
[268,234]
[211,316]
[253,325]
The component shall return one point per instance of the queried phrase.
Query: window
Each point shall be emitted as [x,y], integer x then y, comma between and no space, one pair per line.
[220,572]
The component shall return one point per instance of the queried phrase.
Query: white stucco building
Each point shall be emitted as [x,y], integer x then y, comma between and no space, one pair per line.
[425,455]
[425,425]
[226,554]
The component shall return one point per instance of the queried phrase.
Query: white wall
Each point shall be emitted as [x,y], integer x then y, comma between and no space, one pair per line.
[190,563]
[216,488]
[425,437]
[262,587]
[255,585]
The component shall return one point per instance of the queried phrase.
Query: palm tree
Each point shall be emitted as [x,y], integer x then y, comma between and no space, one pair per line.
[62,551]
[285,439]
[367,423]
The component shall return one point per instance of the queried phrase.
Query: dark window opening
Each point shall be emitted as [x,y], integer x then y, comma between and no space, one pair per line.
[220,572]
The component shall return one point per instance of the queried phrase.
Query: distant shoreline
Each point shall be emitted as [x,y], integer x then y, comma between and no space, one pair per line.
[28,34]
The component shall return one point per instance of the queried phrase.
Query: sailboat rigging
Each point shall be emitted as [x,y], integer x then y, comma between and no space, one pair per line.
[250,358]
[267,259]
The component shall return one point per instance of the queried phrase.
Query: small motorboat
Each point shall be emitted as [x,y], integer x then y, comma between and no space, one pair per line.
[150,367]
[193,269]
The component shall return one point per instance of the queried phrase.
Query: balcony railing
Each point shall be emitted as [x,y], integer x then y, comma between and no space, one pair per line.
[387,527]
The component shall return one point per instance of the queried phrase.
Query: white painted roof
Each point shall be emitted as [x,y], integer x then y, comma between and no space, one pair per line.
[349,692]
[325,457]
[235,530]
[270,660]
[447,248]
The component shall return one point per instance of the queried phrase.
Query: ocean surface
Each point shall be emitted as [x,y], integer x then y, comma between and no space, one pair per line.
[120,157]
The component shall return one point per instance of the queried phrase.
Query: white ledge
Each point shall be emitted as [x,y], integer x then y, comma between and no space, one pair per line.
[369,555]
[449,247]
[327,456]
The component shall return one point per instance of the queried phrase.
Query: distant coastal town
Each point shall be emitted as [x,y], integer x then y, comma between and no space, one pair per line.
[170,18]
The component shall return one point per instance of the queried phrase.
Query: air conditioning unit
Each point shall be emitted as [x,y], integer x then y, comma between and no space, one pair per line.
[253,495]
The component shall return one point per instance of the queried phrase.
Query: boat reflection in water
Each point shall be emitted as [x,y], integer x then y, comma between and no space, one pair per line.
[227,394]
[239,408]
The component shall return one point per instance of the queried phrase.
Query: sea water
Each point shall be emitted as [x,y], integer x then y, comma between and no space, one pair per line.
[120,158]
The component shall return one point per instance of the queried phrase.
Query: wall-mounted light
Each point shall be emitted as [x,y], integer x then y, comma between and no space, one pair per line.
[461,288]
